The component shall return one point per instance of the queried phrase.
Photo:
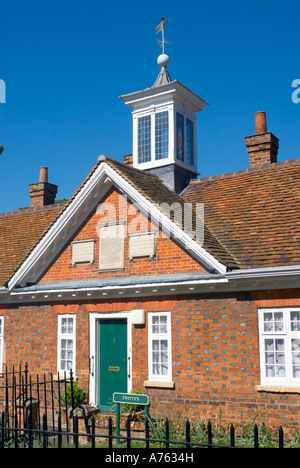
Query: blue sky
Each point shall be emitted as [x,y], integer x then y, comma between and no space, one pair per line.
[66,62]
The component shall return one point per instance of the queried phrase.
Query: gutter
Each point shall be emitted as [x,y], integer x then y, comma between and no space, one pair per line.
[267,272]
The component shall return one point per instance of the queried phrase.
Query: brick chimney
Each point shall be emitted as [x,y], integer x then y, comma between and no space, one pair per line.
[263,146]
[128,160]
[42,193]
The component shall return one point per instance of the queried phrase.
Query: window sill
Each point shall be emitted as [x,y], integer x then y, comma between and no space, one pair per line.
[277,389]
[105,270]
[158,384]
[60,377]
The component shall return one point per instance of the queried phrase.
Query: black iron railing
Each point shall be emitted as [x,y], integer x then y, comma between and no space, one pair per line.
[41,412]
[14,436]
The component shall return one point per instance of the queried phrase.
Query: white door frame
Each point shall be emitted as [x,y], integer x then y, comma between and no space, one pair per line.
[94,351]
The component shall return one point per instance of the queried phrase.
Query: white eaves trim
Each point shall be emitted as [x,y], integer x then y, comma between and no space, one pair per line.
[188,282]
[144,205]
[267,272]
[56,228]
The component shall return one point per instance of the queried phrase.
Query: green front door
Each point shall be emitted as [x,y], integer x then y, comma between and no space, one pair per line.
[112,360]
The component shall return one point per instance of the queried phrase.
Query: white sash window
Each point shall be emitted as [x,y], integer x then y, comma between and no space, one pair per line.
[279,331]
[159,341]
[66,356]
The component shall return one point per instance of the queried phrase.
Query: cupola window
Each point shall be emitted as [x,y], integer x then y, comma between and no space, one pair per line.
[184,139]
[144,139]
[162,135]
[190,142]
[179,136]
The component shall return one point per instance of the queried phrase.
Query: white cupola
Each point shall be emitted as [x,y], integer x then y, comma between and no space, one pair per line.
[164,128]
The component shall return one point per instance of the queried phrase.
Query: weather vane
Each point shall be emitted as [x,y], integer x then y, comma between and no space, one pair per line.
[160,28]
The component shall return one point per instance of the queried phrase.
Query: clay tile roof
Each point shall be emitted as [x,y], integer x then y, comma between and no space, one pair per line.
[254,214]
[19,232]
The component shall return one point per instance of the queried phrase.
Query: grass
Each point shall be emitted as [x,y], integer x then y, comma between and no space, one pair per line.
[244,434]
[268,437]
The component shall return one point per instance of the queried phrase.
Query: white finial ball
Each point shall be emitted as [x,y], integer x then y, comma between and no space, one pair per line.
[163,60]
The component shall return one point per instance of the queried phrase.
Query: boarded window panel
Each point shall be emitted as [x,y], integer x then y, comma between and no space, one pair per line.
[111,254]
[83,252]
[142,245]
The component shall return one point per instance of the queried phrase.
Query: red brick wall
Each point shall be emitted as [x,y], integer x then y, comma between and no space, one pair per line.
[215,353]
[170,258]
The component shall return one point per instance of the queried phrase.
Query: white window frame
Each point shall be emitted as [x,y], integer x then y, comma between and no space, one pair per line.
[185,141]
[159,127]
[150,137]
[1,342]
[66,336]
[159,336]
[284,333]
[153,161]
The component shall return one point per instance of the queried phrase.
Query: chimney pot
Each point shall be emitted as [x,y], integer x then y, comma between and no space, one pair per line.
[42,193]
[263,146]
[260,123]
[44,174]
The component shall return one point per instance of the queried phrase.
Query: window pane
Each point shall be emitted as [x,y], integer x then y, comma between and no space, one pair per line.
[275,357]
[159,324]
[155,345]
[164,345]
[278,321]
[163,324]
[69,365]
[66,354]
[144,139]
[296,358]
[63,325]
[179,136]
[160,357]
[273,322]
[268,324]
[189,142]
[295,321]
[161,135]
[67,325]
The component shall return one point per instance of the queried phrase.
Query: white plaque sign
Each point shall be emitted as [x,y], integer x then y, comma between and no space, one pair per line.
[111,251]
[142,245]
[83,252]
